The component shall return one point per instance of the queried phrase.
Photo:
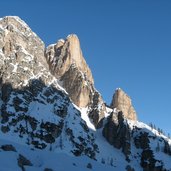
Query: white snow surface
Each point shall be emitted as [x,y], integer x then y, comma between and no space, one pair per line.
[85,117]
[61,40]
[45,159]
[156,139]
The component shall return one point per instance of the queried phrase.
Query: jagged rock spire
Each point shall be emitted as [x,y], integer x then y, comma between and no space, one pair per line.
[122,102]
[67,63]
[65,53]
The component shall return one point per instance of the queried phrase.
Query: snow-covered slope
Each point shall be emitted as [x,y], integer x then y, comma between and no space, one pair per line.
[42,129]
[107,158]
[43,160]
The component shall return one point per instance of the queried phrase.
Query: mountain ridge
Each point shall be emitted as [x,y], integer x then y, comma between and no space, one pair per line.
[50,106]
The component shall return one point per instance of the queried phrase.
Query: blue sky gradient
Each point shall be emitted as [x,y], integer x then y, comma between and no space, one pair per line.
[127,44]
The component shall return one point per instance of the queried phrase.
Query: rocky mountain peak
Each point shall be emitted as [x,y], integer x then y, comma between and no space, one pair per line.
[66,53]
[16,34]
[67,64]
[76,56]
[122,102]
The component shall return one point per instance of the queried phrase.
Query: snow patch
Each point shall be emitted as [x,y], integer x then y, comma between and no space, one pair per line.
[84,116]
[61,40]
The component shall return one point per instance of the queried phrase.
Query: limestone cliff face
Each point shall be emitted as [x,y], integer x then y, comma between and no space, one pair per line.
[16,34]
[66,62]
[123,103]
[21,54]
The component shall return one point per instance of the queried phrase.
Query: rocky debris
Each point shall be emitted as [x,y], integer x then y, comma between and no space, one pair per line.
[84,145]
[117,133]
[40,133]
[8,147]
[23,161]
[4,129]
[148,161]
[89,166]
[122,102]
[129,168]
[16,112]
[142,141]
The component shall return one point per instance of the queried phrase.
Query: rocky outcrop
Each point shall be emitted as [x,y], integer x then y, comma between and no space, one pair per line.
[16,34]
[117,133]
[23,161]
[8,147]
[65,53]
[97,109]
[122,102]
[67,63]
[21,54]
[148,161]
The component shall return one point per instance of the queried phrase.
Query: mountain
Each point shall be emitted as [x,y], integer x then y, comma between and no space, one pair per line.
[68,65]
[51,112]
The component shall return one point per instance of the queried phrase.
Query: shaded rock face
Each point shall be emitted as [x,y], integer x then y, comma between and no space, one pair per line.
[23,161]
[129,168]
[117,133]
[148,161]
[97,110]
[122,102]
[67,63]
[8,147]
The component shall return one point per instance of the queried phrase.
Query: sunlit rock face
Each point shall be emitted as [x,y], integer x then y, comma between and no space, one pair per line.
[122,102]
[66,62]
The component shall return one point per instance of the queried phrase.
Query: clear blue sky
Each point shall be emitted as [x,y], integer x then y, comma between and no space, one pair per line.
[127,44]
